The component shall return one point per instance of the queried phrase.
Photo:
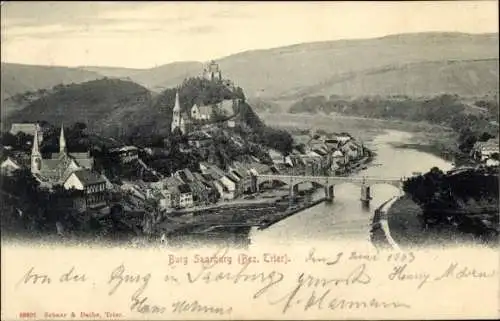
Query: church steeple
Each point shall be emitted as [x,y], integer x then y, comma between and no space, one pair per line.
[177,106]
[35,149]
[177,121]
[62,141]
[36,156]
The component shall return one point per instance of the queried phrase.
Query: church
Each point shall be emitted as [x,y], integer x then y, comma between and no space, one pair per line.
[59,166]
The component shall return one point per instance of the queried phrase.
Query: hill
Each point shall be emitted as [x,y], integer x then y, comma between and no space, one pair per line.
[407,64]
[462,77]
[283,71]
[405,61]
[105,105]
[156,79]
[17,78]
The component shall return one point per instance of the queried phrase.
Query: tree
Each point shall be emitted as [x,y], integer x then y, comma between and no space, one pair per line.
[485,137]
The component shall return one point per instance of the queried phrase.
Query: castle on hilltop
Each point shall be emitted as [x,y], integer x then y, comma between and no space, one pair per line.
[212,71]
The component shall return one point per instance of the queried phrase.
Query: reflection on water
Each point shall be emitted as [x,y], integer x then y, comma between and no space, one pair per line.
[345,219]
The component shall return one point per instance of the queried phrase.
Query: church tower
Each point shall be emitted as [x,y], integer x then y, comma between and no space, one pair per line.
[36,156]
[176,117]
[62,142]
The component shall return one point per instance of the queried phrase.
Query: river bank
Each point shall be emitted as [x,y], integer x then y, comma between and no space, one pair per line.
[405,223]
[441,143]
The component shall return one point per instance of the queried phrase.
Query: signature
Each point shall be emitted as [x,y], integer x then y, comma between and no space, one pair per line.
[307,281]
[144,306]
[195,306]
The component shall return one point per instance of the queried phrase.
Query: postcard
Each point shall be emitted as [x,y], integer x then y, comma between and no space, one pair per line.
[249,160]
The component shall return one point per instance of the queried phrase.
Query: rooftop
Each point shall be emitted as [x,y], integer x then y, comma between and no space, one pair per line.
[88,177]
[184,188]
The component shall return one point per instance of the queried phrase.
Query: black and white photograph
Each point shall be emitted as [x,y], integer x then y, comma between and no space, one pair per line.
[365,128]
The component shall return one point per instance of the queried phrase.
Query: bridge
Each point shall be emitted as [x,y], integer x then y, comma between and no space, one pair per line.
[328,182]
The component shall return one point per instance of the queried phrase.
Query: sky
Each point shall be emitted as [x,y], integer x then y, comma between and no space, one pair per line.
[146,34]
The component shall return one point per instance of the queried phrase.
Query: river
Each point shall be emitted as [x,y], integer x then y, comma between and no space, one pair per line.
[345,219]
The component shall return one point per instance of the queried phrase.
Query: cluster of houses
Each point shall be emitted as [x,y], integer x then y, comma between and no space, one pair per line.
[211,184]
[330,153]
[486,152]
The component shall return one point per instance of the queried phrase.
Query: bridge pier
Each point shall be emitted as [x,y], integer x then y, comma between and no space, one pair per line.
[254,185]
[365,195]
[329,193]
[294,190]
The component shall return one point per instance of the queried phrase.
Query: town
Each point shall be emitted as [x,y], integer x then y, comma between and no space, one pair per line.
[204,166]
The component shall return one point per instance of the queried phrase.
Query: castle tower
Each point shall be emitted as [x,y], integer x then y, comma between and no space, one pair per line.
[176,117]
[36,156]
[212,72]
[62,141]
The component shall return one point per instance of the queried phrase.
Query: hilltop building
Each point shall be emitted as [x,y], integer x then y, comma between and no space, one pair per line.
[201,112]
[212,71]
[57,168]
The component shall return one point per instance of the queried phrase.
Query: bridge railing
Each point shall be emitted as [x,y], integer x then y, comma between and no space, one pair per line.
[346,178]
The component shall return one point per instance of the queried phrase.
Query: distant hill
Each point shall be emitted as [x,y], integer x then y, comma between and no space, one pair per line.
[284,71]
[461,77]
[106,105]
[156,79]
[17,78]
[406,64]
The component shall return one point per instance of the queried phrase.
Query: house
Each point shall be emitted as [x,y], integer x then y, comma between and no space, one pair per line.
[172,185]
[9,165]
[492,162]
[93,186]
[159,191]
[201,112]
[199,188]
[185,175]
[331,143]
[245,182]
[343,138]
[484,150]
[352,150]
[320,151]
[338,157]
[204,167]
[229,188]
[210,193]
[126,153]
[276,157]
[219,188]
[237,182]
[185,196]
[28,129]
[165,200]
